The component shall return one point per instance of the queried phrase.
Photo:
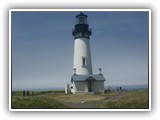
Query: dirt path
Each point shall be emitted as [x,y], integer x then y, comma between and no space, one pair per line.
[115,97]
[84,105]
[93,104]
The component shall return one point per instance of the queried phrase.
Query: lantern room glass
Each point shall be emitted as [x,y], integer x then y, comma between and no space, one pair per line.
[81,20]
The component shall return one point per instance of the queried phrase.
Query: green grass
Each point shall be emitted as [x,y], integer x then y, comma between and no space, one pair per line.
[132,100]
[54,100]
[35,102]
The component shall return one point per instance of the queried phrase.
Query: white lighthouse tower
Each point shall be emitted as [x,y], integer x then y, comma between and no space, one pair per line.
[83,80]
[82,56]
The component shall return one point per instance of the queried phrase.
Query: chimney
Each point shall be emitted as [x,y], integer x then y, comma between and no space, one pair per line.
[74,70]
[100,71]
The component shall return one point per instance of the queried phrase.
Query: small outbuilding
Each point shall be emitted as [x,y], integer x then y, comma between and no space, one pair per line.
[87,83]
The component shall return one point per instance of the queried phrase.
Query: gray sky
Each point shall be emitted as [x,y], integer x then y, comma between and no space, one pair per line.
[42,48]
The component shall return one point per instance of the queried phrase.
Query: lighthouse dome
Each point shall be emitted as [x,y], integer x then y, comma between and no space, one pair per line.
[81,18]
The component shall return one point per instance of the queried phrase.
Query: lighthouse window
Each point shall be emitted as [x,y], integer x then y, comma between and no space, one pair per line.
[81,20]
[86,35]
[80,34]
[84,62]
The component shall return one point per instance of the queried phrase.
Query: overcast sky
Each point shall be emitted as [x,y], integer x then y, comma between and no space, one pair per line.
[42,48]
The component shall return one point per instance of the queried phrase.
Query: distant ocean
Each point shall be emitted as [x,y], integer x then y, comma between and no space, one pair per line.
[136,87]
[129,87]
[126,87]
[39,89]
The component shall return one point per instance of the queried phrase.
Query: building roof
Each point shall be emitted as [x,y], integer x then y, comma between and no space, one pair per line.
[98,77]
[81,14]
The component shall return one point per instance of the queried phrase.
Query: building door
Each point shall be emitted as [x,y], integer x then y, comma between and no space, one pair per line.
[90,88]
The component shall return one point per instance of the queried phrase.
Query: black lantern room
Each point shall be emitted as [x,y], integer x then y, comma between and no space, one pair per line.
[81,29]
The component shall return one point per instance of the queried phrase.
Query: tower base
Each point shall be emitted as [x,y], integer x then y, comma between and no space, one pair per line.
[87,84]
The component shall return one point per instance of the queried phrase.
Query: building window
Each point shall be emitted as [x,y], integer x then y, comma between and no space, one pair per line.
[84,61]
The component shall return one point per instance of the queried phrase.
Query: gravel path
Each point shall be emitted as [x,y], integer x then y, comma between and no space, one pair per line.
[84,105]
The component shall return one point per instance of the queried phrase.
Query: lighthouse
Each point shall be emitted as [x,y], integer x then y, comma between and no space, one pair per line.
[82,55]
[83,80]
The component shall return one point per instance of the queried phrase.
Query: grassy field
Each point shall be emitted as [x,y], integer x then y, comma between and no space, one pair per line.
[40,100]
[131,100]
[53,100]
[31,102]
